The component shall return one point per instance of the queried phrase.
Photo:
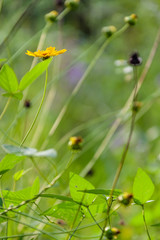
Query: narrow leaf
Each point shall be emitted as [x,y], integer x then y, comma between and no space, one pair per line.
[55,196]
[102,191]
[143,187]
[33,74]
[8,162]
[78,183]
[8,79]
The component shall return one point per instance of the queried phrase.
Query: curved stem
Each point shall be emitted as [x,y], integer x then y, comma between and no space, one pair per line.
[124,154]
[39,109]
[145,224]
[80,82]
[124,110]
[5,108]
[43,190]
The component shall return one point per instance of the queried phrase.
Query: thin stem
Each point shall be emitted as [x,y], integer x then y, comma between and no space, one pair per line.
[45,31]
[63,14]
[80,82]
[27,225]
[39,109]
[38,170]
[5,108]
[94,218]
[42,191]
[76,228]
[124,110]
[124,154]
[145,224]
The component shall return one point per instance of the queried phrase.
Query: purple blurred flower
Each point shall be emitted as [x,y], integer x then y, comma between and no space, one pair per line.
[76,72]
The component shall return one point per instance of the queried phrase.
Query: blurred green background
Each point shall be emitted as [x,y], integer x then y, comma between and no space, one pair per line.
[101,97]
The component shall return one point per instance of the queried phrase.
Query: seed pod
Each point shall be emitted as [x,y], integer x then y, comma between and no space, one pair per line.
[72,4]
[125,198]
[108,31]
[75,143]
[51,16]
[135,59]
[131,20]
[136,106]
[112,233]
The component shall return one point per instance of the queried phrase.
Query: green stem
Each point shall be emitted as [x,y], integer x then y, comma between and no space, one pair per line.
[5,108]
[63,14]
[76,228]
[125,151]
[30,226]
[39,109]
[145,224]
[42,191]
[38,170]
[80,82]
[125,109]
[94,218]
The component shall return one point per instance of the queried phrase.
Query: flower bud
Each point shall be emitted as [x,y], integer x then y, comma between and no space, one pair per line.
[72,4]
[125,198]
[112,233]
[51,16]
[75,143]
[108,31]
[136,106]
[131,20]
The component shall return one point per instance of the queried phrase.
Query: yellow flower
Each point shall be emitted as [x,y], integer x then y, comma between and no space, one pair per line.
[49,52]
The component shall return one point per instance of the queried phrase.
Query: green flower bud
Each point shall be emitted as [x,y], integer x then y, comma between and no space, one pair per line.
[72,4]
[136,106]
[108,31]
[112,233]
[75,143]
[51,16]
[125,198]
[131,20]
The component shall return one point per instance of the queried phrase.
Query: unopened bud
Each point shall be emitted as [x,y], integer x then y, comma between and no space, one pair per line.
[136,106]
[131,20]
[51,16]
[72,4]
[108,31]
[125,198]
[75,143]
[112,233]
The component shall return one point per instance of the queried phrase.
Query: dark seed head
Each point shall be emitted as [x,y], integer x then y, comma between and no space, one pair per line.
[135,59]
[27,104]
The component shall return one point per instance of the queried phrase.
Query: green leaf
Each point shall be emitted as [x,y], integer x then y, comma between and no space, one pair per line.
[35,188]
[21,195]
[143,187]
[55,196]
[18,95]
[155,225]
[8,79]
[102,191]
[3,59]
[31,152]
[18,175]
[78,183]
[33,74]
[8,162]
[66,211]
